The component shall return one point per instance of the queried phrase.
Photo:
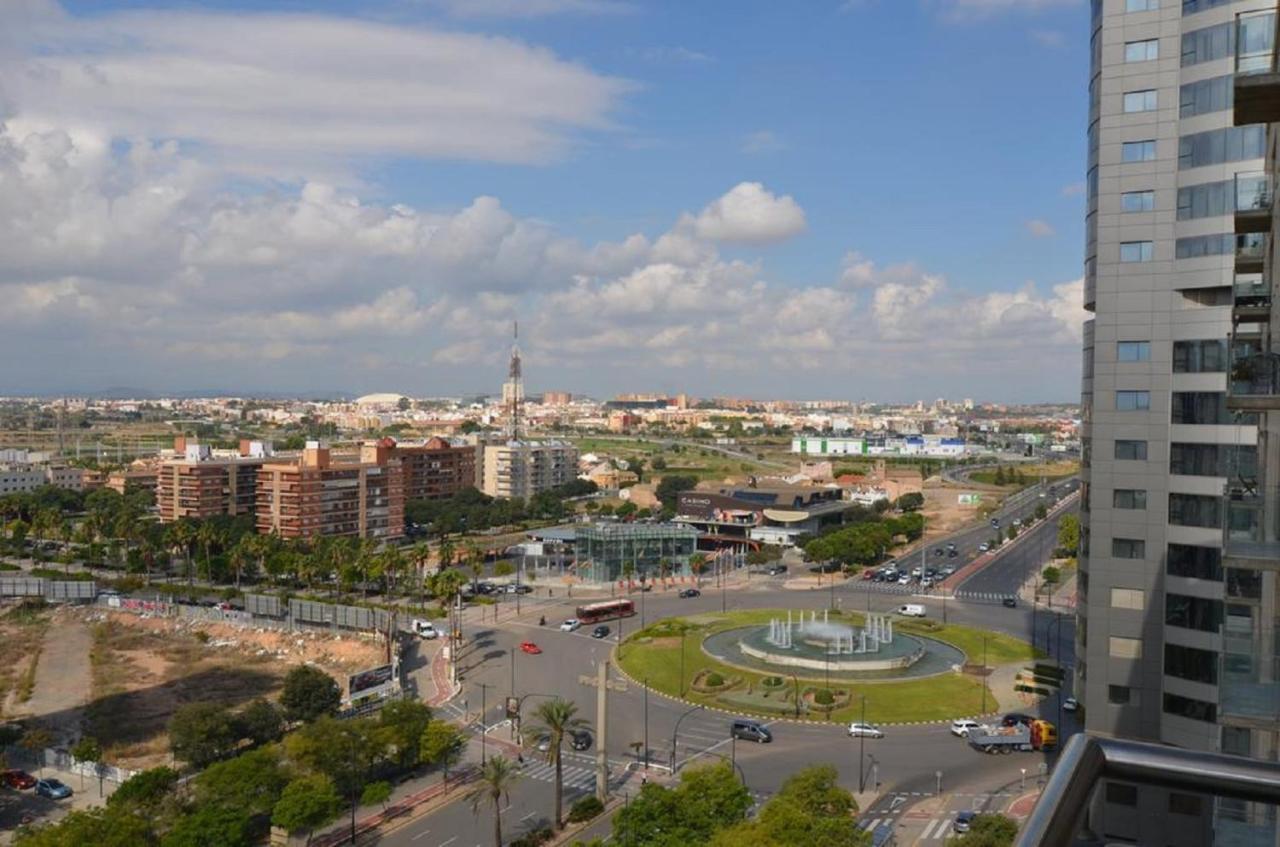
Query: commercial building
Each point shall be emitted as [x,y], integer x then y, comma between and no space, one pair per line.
[932,446]
[603,551]
[436,469]
[317,496]
[1175,636]
[525,468]
[200,485]
[745,517]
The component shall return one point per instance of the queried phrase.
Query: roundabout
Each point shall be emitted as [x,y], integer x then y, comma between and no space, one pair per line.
[821,666]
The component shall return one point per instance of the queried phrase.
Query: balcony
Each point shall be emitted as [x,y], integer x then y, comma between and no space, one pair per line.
[1257,82]
[1255,382]
[1251,537]
[1251,299]
[1251,249]
[1253,195]
[1060,816]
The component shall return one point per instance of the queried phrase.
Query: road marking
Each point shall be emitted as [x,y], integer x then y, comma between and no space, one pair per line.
[422,834]
[928,829]
[870,825]
[898,800]
[447,843]
[942,830]
[526,817]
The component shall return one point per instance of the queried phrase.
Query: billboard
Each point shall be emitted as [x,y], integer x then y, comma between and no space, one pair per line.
[366,680]
[970,499]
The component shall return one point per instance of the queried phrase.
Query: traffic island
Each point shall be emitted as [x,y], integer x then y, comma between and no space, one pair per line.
[679,656]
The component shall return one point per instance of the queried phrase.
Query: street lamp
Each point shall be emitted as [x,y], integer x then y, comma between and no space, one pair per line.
[682,634]
[862,749]
[674,732]
[983,681]
[796,680]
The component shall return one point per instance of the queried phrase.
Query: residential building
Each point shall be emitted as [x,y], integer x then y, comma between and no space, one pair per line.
[436,469]
[525,468]
[138,475]
[556,398]
[316,496]
[16,479]
[1169,173]
[201,485]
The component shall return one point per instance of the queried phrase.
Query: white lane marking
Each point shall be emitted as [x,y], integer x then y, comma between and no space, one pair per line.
[942,830]
[447,843]
[422,834]
[526,817]
[928,829]
[870,825]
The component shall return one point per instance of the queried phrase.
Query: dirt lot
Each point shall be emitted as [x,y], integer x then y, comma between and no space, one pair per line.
[21,634]
[145,668]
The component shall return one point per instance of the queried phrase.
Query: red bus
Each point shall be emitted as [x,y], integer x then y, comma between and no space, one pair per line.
[606,611]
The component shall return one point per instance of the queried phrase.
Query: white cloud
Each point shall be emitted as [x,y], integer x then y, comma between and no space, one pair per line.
[289,95]
[530,8]
[749,213]
[676,55]
[1039,228]
[970,9]
[1074,189]
[762,141]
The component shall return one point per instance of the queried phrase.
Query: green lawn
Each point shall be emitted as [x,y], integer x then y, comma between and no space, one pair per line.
[653,655]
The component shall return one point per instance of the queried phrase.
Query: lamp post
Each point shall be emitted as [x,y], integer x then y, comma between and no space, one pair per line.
[983,681]
[682,662]
[646,723]
[862,749]
[674,732]
[796,680]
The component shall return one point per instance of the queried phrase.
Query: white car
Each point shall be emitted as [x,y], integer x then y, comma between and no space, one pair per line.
[962,728]
[1070,704]
[905,579]
[865,730]
[912,610]
[984,547]
[570,625]
[425,629]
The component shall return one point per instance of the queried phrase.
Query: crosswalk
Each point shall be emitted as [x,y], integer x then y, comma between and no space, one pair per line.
[575,777]
[935,829]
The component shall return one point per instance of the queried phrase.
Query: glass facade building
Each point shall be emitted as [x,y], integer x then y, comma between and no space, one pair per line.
[603,551]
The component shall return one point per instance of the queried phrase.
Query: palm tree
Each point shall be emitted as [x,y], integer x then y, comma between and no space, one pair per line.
[555,718]
[240,554]
[496,778]
[697,563]
[420,555]
[475,561]
[182,534]
[446,553]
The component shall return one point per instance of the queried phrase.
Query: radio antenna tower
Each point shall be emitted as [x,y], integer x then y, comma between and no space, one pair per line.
[513,388]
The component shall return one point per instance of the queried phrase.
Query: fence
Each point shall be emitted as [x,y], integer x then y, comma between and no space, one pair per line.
[344,617]
[54,590]
[60,760]
[260,610]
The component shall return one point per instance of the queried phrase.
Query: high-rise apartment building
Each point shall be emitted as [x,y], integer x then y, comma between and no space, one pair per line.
[1170,173]
[201,485]
[524,468]
[433,470]
[318,496]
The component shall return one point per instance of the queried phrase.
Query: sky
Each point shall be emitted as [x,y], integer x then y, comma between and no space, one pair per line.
[829,199]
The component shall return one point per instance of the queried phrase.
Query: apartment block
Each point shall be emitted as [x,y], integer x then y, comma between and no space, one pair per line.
[318,496]
[433,470]
[522,469]
[201,485]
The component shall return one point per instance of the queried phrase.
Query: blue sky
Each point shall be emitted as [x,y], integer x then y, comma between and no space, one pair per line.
[940,139]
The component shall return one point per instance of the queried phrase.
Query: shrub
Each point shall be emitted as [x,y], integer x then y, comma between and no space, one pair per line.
[585,809]
[771,681]
[201,636]
[536,838]
[824,697]
[713,680]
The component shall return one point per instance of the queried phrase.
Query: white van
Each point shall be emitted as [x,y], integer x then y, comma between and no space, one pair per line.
[425,629]
[912,610]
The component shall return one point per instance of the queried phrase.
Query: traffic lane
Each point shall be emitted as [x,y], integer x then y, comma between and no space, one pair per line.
[1007,572]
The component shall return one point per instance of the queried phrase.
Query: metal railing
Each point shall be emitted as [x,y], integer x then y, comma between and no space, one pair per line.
[1255,42]
[1087,759]
[1253,191]
[1251,290]
[1251,247]
[1255,374]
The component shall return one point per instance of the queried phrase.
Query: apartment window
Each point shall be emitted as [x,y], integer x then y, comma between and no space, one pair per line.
[1118,695]
[1129,498]
[1141,5]
[1206,200]
[1184,804]
[1213,460]
[1137,201]
[1128,548]
[1133,401]
[1195,510]
[1191,663]
[1128,598]
[1186,707]
[1188,612]
[1216,94]
[1133,351]
[1138,151]
[1136,251]
[1208,44]
[1124,648]
[1199,246]
[1230,144]
[1131,450]
[1141,101]
[1142,51]
[1244,584]
[1091,183]
[1199,407]
[1192,6]
[1193,357]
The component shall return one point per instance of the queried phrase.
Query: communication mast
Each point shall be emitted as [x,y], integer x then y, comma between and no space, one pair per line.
[513,388]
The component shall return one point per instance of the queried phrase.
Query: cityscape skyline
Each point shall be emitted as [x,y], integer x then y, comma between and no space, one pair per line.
[163,246]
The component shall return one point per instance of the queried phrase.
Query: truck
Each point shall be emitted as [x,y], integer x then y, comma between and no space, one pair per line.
[1036,735]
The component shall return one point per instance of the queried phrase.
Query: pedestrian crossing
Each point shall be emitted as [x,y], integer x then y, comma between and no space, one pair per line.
[936,829]
[574,776]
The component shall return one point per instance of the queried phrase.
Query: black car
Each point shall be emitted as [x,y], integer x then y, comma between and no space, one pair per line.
[580,739]
[600,632]
[951,554]
[690,592]
[1009,602]
[775,570]
[938,551]
[995,522]
[1015,718]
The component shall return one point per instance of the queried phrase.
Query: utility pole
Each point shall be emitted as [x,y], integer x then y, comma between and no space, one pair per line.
[484,731]
[602,684]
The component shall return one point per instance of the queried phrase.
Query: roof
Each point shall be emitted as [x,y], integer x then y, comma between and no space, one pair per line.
[379,399]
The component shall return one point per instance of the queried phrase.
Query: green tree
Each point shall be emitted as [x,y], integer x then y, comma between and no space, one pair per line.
[556,718]
[443,744]
[202,733]
[708,799]
[669,488]
[309,693]
[1051,575]
[250,783]
[810,808]
[987,830]
[87,749]
[261,722]
[658,464]
[306,803]
[403,723]
[211,826]
[1069,534]
[145,790]
[101,827]
[494,785]
[1012,532]
[910,502]
[1042,511]
[347,751]
[376,793]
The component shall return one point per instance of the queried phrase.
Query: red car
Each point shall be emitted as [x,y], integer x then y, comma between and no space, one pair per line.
[19,779]
[868,573]
[530,647]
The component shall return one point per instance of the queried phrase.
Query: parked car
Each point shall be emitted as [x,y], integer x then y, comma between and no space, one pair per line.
[960,728]
[963,821]
[868,574]
[984,547]
[912,610]
[52,788]
[19,779]
[750,731]
[1009,602]
[580,739]
[1070,704]
[995,522]
[571,625]
[938,551]
[865,730]
[518,588]
[530,647]
[600,632]
[948,571]
[905,579]
[690,592]
[776,570]
[952,553]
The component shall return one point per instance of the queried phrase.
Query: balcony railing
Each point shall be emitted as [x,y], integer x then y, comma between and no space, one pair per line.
[1087,760]
[1251,297]
[1255,42]
[1254,194]
[1251,533]
[1251,249]
[1255,381]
